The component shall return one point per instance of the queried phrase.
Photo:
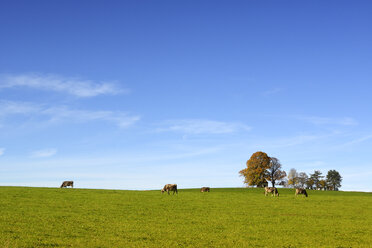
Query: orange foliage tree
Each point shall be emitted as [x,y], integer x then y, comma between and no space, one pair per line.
[256,172]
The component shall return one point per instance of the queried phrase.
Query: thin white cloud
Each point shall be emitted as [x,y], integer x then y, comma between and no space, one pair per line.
[176,155]
[45,153]
[300,139]
[74,86]
[360,140]
[62,113]
[2,150]
[357,141]
[199,126]
[316,120]
[13,108]
[65,114]
[292,141]
[271,92]
[307,166]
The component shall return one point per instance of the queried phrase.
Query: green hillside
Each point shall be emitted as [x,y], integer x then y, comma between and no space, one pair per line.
[53,217]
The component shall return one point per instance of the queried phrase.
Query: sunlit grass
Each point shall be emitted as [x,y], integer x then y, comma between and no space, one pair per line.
[37,217]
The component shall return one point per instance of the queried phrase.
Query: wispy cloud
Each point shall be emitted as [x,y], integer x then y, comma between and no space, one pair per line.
[45,153]
[357,141]
[65,114]
[2,150]
[300,139]
[271,92]
[62,113]
[297,140]
[345,121]
[307,166]
[176,155]
[293,141]
[200,126]
[14,108]
[74,86]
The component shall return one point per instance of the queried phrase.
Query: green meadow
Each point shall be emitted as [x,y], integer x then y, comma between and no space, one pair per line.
[236,217]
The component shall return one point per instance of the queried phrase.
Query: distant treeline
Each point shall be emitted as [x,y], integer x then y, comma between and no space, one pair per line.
[262,169]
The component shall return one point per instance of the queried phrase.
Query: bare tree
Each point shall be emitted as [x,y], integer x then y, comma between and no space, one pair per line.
[274,173]
[302,179]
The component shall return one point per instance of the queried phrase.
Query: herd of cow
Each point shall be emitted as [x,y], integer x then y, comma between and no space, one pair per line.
[173,188]
[274,191]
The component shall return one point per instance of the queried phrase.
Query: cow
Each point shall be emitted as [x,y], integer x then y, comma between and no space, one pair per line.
[301,192]
[205,189]
[272,190]
[170,187]
[65,184]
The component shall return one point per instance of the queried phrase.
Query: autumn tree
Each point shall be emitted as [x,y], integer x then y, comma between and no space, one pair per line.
[274,173]
[293,178]
[256,171]
[334,179]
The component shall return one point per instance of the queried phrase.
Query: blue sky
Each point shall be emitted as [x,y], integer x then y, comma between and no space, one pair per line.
[136,94]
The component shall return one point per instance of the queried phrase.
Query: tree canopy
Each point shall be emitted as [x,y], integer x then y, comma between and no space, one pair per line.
[256,172]
[302,179]
[274,173]
[334,179]
[293,178]
[316,177]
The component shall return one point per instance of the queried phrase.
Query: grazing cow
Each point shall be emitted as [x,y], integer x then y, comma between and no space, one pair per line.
[170,187]
[67,183]
[272,190]
[205,189]
[301,192]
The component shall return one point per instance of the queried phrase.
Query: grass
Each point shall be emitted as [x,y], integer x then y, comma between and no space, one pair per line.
[48,217]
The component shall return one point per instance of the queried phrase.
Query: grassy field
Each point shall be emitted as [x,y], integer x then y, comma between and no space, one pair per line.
[47,217]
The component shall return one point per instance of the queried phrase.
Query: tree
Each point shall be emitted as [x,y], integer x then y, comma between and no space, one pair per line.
[322,184]
[284,183]
[302,179]
[256,171]
[334,179]
[316,177]
[293,178]
[274,173]
[310,183]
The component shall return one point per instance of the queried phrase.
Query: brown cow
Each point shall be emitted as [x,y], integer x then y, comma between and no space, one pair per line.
[67,183]
[301,192]
[205,189]
[272,190]
[170,187]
